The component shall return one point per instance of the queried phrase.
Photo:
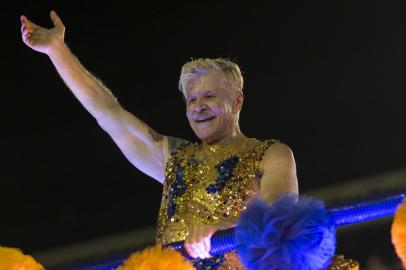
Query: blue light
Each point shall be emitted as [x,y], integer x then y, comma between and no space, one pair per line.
[366,210]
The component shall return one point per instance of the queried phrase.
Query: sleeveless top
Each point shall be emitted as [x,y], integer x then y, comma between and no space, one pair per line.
[209,184]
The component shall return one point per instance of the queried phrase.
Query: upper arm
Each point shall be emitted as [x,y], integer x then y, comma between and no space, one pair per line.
[278,169]
[145,148]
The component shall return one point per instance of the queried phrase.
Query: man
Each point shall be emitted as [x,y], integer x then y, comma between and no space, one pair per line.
[206,186]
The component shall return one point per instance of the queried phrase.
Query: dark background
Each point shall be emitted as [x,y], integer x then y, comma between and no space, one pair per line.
[327,78]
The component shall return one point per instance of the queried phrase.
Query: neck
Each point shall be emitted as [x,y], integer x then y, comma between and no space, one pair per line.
[236,134]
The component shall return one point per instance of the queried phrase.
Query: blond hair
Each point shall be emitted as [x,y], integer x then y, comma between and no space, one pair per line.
[197,67]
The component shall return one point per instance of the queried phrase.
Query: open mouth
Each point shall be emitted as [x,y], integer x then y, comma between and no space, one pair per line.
[201,120]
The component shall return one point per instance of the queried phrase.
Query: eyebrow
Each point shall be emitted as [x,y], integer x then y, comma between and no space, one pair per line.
[204,92]
[209,91]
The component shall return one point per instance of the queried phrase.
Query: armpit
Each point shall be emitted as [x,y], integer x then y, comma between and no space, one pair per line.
[174,143]
[155,135]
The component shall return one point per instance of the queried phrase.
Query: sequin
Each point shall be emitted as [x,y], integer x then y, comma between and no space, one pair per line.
[209,263]
[225,172]
[177,189]
[340,263]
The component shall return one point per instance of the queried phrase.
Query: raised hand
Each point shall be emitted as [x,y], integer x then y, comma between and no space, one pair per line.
[42,39]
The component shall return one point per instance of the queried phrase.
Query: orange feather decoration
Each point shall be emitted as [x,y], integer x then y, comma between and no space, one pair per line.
[156,258]
[399,232]
[14,259]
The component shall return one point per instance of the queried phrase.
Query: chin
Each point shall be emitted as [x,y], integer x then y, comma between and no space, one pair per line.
[204,136]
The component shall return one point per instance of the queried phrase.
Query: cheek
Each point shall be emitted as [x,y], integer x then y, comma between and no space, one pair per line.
[188,114]
[217,107]
[222,109]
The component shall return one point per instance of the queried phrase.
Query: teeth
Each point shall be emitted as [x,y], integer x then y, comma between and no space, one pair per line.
[204,119]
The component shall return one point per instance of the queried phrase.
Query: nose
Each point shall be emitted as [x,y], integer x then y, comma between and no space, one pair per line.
[200,105]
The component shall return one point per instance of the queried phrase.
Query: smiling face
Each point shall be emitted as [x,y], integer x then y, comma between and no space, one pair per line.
[212,109]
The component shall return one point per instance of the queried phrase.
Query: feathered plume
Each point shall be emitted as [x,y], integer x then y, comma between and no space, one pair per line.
[156,258]
[399,232]
[294,233]
[14,259]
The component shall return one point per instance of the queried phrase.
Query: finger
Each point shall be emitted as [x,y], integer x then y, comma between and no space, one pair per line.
[36,33]
[25,39]
[190,250]
[192,237]
[55,19]
[24,22]
[30,41]
[23,19]
[207,246]
[32,38]
[200,246]
[195,246]
[26,35]
[30,27]
[204,248]
[188,242]
[205,234]
[26,31]
[199,250]
[28,23]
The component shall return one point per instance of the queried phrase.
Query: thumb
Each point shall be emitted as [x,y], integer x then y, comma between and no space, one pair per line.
[55,19]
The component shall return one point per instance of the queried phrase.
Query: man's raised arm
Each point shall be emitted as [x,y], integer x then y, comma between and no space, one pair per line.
[143,147]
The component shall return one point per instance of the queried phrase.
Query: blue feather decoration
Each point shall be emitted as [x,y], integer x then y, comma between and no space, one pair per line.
[294,233]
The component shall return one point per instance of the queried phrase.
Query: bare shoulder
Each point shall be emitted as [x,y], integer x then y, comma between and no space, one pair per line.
[278,154]
[278,170]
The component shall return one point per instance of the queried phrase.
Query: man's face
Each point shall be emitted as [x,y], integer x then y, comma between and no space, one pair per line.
[209,108]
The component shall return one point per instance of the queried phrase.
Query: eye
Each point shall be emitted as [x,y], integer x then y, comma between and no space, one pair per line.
[210,95]
[191,100]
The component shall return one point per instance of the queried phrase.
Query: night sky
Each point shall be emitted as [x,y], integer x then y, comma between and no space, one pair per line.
[327,78]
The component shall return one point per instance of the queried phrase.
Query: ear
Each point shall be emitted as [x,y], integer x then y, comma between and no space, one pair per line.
[238,101]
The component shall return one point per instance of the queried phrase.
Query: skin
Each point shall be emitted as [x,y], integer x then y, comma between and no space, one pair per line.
[207,97]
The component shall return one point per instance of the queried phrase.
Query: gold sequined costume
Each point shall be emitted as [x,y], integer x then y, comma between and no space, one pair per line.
[208,184]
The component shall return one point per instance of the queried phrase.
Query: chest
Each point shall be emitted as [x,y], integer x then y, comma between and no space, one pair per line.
[215,188]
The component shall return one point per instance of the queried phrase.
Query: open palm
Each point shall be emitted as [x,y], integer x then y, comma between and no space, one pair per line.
[42,39]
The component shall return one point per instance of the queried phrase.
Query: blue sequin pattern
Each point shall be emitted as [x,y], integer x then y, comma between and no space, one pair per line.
[212,263]
[225,170]
[178,187]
